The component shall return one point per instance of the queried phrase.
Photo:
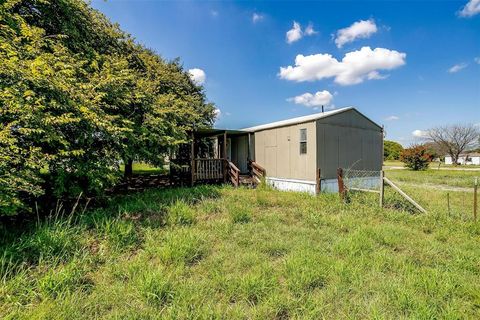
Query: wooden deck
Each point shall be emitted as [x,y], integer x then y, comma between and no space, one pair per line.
[209,169]
[209,161]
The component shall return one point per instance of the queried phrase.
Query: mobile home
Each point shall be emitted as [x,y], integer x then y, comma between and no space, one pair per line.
[289,153]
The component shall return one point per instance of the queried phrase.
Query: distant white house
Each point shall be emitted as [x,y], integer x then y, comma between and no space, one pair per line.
[465,159]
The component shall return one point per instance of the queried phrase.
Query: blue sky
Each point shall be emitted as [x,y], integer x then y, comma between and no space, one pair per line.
[408,65]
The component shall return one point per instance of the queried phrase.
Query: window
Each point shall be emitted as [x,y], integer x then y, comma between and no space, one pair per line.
[303,141]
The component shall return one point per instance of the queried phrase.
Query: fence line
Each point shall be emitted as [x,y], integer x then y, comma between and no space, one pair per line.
[372,181]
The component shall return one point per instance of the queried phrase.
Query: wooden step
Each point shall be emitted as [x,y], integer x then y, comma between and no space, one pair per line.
[247,180]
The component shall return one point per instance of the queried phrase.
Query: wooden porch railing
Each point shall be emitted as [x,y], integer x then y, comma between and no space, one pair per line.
[257,171]
[233,174]
[206,169]
[209,169]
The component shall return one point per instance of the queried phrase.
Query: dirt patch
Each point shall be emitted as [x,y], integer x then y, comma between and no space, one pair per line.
[435,186]
[446,169]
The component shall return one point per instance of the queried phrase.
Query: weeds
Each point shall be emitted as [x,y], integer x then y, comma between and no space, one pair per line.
[180,246]
[119,233]
[306,272]
[240,214]
[211,252]
[179,213]
[56,239]
[64,280]
[156,288]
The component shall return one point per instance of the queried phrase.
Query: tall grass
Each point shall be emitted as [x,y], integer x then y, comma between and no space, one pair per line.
[218,252]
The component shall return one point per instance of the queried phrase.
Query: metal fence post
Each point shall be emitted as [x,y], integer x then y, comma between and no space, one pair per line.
[341,185]
[475,187]
[382,174]
[318,187]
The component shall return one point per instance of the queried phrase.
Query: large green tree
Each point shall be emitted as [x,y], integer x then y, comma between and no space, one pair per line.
[77,95]
[168,105]
[52,108]
[392,150]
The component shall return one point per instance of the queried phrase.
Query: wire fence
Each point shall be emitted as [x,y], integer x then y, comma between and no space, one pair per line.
[362,180]
[444,201]
[438,200]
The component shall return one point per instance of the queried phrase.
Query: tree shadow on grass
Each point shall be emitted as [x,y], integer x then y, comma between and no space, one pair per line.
[61,237]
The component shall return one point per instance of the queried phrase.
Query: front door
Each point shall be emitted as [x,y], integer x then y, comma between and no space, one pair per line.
[242,153]
[229,149]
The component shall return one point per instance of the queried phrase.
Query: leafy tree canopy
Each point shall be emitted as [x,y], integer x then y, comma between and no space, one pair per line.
[391,150]
[77,95]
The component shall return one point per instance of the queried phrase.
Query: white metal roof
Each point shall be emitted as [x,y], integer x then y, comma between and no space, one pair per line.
[297,120]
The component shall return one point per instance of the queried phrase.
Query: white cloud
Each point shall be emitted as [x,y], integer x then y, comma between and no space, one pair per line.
[309,31]
[477,60]
[392,118]
[358,30]
[320,98]
[354,68]
[257,17]
[419,133]
[375,75]
[457,67]
[214,13]
[197,75]
[470,9]
[295,33]
[217,112]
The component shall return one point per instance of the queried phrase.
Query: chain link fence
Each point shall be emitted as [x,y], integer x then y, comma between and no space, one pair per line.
[362,180]
[437,200]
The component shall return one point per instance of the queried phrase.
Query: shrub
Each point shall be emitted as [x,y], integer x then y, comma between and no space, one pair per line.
[416,157]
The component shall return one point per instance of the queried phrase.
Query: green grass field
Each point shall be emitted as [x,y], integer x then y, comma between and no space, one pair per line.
[441,192]
[393,163]
[432,165]
[145,169]
[431,177]
[219,252]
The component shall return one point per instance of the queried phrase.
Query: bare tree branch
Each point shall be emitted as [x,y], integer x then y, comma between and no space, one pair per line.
[454,139]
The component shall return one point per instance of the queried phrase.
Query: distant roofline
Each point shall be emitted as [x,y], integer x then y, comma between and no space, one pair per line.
[470,154]
[299,120]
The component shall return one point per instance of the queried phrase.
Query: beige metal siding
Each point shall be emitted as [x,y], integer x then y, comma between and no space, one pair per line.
[278,150]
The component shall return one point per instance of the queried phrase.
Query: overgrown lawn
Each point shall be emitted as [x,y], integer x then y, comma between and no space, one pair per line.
[219,252]
[432,177]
